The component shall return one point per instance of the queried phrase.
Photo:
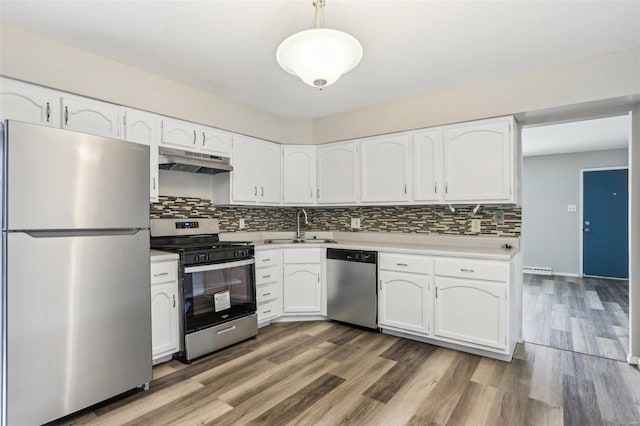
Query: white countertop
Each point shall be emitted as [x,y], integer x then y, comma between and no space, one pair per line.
[475,247]
[157,255]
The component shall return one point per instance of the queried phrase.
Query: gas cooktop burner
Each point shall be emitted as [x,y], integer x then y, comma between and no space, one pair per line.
[197,241]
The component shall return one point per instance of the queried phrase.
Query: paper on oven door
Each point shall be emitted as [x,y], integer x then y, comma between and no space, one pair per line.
[222,300]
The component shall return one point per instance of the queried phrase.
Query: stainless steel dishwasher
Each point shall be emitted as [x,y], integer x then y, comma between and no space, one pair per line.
[352,291]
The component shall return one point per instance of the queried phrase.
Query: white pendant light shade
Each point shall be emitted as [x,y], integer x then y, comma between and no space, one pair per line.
[319,56]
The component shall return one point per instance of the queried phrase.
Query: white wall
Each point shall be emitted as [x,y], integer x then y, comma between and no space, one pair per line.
[27,56]
[602,77]
[550,234]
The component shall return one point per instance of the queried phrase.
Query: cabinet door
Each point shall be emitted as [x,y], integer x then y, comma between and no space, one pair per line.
[164,319]
[427,166]
[299,180]
[244,157]
[404,301]
[385,169]
[478,161]
[338,174]
[31,104]
[214,141]
[89,116]
[269,182]
[144,128]
[302,289]
[179,134]
[471,311]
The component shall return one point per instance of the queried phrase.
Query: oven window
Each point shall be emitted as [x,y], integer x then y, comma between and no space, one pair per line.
[216,296]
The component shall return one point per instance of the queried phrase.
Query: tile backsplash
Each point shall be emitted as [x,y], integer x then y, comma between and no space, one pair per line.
[406,219]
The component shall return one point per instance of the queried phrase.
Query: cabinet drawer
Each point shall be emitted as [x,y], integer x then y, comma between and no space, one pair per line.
[405,263]
[473,269]
[164,272]
[268,275]
[302,255]
[268,310]
[268,258]
[267,292]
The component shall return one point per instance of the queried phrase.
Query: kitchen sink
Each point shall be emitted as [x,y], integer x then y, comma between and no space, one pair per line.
[296,241]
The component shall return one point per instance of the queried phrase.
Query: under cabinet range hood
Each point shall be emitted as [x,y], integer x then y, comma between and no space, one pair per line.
[185,161]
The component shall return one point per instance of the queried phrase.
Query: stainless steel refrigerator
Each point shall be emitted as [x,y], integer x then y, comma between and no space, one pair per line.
[76,315]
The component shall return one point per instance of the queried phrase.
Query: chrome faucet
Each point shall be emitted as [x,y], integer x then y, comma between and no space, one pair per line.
[300,232]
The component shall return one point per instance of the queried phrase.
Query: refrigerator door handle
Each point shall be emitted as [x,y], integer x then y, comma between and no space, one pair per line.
[79,232]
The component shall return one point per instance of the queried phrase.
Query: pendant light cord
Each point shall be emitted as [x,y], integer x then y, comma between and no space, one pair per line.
[318,16]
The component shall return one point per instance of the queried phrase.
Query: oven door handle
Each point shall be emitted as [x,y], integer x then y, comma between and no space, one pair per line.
[217,266]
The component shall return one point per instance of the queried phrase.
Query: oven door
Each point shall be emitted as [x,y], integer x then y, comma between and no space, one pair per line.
[217,293]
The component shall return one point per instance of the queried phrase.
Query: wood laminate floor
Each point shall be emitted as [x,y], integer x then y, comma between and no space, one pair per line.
[587,315]
[325,373]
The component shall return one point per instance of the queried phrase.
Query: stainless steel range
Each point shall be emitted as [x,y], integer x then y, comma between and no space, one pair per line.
[217,284]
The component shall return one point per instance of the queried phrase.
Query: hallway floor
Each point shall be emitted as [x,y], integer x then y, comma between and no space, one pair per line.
[587,315]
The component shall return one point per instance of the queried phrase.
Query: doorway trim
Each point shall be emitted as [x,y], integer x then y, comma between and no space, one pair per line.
[581,206]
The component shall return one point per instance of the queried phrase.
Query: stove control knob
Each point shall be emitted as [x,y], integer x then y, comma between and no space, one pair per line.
[196,258]
[206,257]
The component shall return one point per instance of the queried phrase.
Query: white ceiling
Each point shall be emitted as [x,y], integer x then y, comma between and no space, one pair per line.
[579,136]
[410,47]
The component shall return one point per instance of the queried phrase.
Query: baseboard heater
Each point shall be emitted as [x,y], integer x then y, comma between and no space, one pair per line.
[537,270]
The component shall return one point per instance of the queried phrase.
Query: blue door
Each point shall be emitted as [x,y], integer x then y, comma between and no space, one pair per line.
[606,221]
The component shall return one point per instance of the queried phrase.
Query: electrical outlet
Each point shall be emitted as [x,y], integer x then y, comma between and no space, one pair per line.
[475,225]
[242,223]
[355,223]
[498,216]
[572,208]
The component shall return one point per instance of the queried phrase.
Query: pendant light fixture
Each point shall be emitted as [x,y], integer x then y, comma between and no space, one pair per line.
[319,56]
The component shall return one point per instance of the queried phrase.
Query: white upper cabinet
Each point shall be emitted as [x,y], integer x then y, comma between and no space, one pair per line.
[143,127]
[181,134]
[28,103]
[255,178]
[214,141]
[90,116]
[270,171]
[338,173]
[427,166]
[244,177]
[479,161]
[385,169]
[299,179]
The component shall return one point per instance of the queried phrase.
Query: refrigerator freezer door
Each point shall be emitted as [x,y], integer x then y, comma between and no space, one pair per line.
[57,179]
[78,322]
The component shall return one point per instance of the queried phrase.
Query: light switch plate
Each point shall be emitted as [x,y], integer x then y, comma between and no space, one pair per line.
[572,208]
[355,223]
[242,223]
[475,225]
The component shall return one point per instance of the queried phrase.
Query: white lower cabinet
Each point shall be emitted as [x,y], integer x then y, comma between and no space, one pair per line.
[456,302]
[268,285]
[302,285]
[404,301]
[164,309]
[471,311]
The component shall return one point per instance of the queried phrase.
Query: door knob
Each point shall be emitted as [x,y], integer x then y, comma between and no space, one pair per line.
[587,230]
[586,222]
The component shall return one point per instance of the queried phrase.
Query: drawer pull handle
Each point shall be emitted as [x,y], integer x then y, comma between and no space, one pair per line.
[466,270]
[402,264]
[266,260]
[266,294]
[174,300]
[161,274]
[266,276]
[226,330]
[266,312]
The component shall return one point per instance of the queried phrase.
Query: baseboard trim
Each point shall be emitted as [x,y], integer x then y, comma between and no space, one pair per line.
[567,274]
[634,360]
